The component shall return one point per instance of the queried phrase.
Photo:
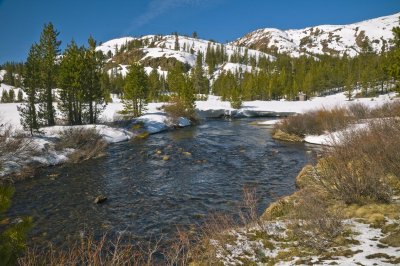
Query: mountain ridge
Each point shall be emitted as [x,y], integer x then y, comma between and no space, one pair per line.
[323,39]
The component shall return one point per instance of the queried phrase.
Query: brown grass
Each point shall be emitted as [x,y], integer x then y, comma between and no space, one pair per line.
[86,142]
[356,169]
[91,252]
[15,146]
[312,223]
[315,122]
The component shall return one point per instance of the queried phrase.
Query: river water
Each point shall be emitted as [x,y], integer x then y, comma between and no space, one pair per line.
[147,196]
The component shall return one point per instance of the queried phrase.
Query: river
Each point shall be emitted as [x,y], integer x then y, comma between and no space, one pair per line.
[208,166]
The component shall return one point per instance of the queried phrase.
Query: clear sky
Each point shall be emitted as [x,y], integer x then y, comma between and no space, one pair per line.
[21,21]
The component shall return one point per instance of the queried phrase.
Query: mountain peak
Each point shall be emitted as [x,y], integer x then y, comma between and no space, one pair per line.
[324,39]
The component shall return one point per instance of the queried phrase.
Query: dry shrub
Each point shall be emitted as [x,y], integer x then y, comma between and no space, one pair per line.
[177,252]
[356,169]
[91,252]
[14,146]
[359,111]
[86,142]
[391,109]
[316,122]
[312,223]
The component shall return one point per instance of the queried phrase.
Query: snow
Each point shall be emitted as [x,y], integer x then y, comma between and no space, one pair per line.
[110,134]
[340,38]
[367,236]
[2,73]
[284,107]
[111,45]
[163,46]
[183,57]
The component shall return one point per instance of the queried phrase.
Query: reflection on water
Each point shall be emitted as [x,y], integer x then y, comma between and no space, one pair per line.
[147,196]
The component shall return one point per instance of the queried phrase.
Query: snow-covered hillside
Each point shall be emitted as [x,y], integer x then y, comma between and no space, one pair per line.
[324,39]
[156,50]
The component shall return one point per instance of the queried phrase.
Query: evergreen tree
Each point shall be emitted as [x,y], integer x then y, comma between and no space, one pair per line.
[93,93]
[155,86]
[71,74]
[49,50]
[4,97]
[32,82]
[394,68]
[176,46]
[135,90]
[11,96]
[200,81]
[20,97]
[183,98]
[349,87]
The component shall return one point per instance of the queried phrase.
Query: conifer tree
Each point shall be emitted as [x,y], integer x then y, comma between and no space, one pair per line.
[394,68]
[11,96]
[32,82]
[4,97]
[200,81]
[93,93]
[155,86]
[20,96]
[49,50]
[71,74]
[176,46]
[135,90]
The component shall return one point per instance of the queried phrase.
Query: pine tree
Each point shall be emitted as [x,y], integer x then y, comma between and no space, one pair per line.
[135,90]
[349,87]
[200,81]
[11,96]
[93,93]
[155,86]
[394,68]
[20,97]
[183,100]
[71,74]
[32,82]
[176,46]
[4,97]
[49,50]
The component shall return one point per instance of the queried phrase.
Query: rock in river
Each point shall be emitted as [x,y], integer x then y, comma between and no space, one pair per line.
[100,199]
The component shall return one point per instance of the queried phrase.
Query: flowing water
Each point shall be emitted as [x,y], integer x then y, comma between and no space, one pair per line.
[147,196]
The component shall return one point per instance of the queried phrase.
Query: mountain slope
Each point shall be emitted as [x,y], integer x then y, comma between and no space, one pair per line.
[155,51]
[324,39]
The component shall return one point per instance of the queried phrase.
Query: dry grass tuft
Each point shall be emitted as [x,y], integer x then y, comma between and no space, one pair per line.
[86,142]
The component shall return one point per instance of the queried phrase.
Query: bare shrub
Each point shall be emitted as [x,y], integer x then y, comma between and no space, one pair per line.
[356,169]
[391,109]
[312,223]
[359,111]
[316,122]
[86,142]
[91,252]
[15,146]
[248,208]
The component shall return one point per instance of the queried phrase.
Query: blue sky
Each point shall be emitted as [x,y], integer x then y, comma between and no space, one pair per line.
[21,21]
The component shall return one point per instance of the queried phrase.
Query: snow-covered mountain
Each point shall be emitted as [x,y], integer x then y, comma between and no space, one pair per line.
[324,39]
[159,52]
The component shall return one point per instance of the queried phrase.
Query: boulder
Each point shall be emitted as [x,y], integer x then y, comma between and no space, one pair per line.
[100,199]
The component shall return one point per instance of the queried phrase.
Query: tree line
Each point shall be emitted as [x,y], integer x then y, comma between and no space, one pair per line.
[84,86]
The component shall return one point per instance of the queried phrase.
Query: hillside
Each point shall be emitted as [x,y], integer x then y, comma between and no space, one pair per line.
[324,39]
[154,51]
